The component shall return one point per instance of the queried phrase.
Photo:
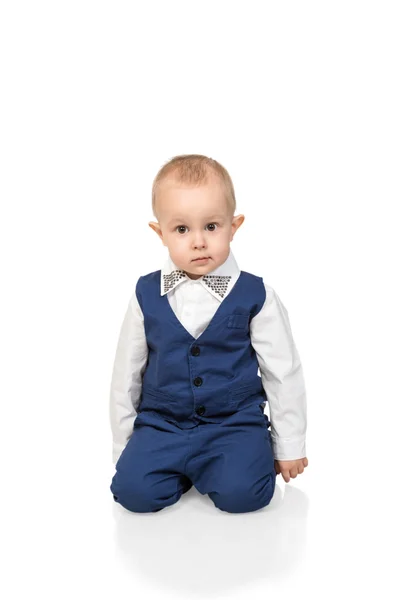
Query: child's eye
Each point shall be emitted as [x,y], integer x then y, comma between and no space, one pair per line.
[179,227]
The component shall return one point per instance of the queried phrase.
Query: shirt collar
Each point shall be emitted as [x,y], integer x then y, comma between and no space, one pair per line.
[218,282]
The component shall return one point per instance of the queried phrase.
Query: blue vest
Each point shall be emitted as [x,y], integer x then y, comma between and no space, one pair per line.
[190,380]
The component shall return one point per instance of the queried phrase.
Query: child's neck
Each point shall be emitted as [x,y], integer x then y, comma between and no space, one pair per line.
[191,276]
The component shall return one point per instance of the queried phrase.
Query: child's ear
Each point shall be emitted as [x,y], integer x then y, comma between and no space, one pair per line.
[156,227]
[236,223]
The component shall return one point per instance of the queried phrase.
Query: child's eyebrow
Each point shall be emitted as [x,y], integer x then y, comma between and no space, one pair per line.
[180,219]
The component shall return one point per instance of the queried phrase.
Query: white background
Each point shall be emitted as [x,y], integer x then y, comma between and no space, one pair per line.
[300,102]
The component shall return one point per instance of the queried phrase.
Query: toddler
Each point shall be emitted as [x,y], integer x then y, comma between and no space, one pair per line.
[186,401]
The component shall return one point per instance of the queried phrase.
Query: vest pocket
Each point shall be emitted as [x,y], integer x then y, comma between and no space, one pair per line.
[153,399]
[243,392]
[239,321]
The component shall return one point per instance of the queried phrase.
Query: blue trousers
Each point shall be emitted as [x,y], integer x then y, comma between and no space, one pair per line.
[231,461]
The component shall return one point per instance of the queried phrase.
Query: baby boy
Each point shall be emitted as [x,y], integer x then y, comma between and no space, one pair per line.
[186,401]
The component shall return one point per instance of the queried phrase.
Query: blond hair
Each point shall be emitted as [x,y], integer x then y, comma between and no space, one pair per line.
[194,169]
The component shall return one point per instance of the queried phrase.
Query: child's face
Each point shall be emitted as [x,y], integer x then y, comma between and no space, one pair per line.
[195,222]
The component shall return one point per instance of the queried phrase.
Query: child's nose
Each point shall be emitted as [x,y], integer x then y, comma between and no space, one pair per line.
[199,237]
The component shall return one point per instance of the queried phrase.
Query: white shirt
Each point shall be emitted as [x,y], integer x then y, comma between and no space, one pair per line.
[194,303]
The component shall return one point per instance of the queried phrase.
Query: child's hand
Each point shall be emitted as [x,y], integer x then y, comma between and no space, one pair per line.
[290,468]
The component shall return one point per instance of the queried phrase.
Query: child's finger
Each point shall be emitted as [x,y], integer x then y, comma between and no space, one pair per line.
[285,475]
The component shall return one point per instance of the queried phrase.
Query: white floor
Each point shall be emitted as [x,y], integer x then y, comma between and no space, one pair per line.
[194,549]
[330,532]
[319,537]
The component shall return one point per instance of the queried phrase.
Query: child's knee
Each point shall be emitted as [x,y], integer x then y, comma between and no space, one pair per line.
[241,498]
[133,500]
[136,496]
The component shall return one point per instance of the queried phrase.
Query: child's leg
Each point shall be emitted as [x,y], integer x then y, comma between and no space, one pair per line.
[233,461]
[149,473]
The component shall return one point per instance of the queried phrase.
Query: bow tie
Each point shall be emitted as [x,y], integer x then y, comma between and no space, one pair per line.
[218,283]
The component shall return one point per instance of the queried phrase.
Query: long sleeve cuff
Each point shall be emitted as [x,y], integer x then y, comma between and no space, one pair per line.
[118,445]
[117,450]
[288,449]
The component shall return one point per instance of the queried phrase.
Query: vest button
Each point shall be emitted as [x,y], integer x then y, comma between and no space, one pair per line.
[201,410]
[197,381]
[195,351]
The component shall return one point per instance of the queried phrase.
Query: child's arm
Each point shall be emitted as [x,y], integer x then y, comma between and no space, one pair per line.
[126,384]
[282,377]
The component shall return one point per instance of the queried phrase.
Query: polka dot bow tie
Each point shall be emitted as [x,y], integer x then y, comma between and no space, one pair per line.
[218,283]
